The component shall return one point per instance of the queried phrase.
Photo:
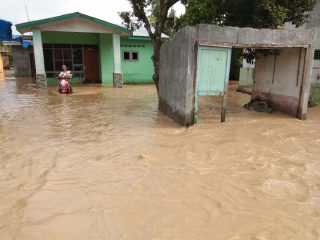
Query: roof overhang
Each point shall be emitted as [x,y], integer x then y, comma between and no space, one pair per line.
[73,22]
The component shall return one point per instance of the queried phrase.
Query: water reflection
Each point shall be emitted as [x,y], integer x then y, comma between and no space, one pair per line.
[103,163]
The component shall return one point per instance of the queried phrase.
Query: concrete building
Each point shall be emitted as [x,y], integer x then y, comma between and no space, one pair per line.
[22,59]
[95,50]
[196,62]
[246,72]
[315,25]
[4,59]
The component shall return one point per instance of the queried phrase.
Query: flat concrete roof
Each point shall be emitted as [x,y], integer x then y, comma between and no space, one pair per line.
[252,38]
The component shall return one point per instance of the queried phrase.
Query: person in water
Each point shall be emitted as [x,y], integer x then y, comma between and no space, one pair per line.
[65,73]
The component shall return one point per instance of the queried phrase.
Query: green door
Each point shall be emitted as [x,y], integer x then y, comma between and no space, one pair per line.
[213,69]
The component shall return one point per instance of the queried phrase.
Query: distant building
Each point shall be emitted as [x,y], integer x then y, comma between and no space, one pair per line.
[315,24]
[22,58]
[247,71]
[95,50]
[4,59]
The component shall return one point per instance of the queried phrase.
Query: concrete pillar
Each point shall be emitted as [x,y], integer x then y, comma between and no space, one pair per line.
[41,79]
[117,76]
[306,83]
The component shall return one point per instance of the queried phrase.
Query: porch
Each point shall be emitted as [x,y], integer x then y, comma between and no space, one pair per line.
[89,47]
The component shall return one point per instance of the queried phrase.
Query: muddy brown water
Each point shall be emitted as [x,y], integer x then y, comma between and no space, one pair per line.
[103,163]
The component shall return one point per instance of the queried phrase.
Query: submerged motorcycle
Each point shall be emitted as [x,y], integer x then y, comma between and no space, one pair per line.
[64,85]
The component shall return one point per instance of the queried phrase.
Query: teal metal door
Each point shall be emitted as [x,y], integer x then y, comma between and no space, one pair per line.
[213,69]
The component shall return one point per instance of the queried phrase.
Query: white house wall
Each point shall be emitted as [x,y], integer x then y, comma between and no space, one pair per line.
[76,25]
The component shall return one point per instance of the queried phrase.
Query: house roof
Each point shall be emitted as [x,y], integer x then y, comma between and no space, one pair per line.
[28,26]
[142,34]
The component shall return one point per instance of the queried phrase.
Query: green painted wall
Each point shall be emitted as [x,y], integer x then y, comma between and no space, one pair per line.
[314,98]
[142,70]
[133,72]
[106,58]
[246,77]
[70,38]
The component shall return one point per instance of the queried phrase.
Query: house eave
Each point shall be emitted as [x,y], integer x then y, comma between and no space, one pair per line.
[29,26]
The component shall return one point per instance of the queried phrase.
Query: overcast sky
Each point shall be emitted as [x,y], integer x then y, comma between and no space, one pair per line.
[15,10]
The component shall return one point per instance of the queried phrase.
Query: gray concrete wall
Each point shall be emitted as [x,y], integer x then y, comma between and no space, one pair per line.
[178,66]
[316,72]
[278,80]
[21,61]
[250,36]
[175,90]
[315,25]
[316,64]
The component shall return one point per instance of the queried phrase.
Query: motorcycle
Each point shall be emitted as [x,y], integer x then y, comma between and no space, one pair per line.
[64,85]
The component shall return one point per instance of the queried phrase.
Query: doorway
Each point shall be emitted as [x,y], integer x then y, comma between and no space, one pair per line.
[213,69]
[92,66]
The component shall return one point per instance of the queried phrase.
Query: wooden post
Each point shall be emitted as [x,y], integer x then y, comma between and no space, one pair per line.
[224,104]
[226,90]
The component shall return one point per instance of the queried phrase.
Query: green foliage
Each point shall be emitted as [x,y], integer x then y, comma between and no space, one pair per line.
[156,14]
[236,63]
[157,18]
[248,13]
[153,11]
[314,98]
[128,22]
[205,11]
[170,25]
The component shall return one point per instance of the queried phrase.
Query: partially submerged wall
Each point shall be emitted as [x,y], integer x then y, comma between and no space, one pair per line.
[21,61]
[278,79]
[178,67]
[176,89]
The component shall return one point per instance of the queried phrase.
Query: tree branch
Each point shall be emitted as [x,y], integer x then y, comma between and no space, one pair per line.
[139,11]
[165,5]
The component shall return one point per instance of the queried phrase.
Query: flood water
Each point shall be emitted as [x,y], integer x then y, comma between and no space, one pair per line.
[103,163]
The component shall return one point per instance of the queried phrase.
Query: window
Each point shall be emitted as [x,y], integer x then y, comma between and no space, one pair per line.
[134,56]
[126,56]
[71,55]
[48,60]
[317,54]
[130,56]
[77,55]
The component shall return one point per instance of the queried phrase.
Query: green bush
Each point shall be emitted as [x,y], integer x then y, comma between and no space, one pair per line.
[314,98]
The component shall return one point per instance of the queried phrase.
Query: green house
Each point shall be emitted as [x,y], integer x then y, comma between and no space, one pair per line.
[95,51]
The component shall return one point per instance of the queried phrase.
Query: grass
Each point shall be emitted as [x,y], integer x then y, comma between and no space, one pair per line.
[314,98]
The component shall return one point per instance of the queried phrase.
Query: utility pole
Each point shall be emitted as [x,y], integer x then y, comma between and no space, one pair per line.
[27,12]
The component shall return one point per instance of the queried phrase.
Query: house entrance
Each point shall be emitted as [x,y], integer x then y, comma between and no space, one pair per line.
[213,68]
[91,63]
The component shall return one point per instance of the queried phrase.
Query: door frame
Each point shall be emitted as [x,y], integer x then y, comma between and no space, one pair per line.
[198,47]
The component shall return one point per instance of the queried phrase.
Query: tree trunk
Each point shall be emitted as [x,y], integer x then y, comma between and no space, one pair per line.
[156,61]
